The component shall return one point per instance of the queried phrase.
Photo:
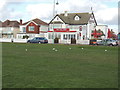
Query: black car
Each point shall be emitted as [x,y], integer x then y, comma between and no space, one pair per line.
[38,40]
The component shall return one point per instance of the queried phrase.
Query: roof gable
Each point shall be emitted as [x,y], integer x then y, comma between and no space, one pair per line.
[56,20]
[36,21]
[70,18]
[9,23]
[76,17]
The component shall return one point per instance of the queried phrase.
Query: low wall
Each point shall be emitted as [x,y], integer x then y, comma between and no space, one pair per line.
[99,40]
[85,42]
[5,40]
[20,40]
[13,40]
[50,41]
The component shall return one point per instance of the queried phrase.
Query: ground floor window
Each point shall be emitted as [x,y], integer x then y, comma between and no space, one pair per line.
[20,36]
[7,36]
[55,35]
[50,36]
[69,36]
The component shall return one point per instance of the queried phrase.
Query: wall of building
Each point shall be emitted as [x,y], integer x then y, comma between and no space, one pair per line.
[15,31]
[36,28]
[43,28]
[9,32]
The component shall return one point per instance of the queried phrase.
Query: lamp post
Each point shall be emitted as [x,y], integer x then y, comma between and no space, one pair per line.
[54,4]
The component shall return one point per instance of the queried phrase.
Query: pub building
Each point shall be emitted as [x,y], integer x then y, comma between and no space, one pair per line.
[67,27]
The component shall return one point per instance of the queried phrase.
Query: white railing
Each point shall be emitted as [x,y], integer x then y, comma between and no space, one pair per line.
[20,40]
[5,40]
[85,42]
[13,40]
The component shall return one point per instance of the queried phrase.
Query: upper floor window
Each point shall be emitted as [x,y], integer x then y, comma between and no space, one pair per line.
[77,18]
[24,29]
[57,18]
[31,28]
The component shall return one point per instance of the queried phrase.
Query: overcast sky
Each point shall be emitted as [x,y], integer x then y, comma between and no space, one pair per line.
[106,11]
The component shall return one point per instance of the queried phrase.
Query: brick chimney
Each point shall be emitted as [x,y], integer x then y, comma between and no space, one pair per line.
[20,21]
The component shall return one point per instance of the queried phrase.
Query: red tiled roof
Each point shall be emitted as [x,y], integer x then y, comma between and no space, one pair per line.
[9,23]
[37,21]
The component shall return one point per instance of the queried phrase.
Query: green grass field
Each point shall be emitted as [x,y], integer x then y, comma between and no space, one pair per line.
[41,67]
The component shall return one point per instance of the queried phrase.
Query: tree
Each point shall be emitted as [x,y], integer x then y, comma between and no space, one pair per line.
[98,33]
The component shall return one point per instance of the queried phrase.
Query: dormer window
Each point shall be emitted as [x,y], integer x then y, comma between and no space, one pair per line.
[77,18]
[57,18]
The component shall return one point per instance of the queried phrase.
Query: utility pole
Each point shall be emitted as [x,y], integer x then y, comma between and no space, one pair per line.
[54,4]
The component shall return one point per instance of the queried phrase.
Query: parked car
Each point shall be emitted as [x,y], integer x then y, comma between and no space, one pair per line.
[108,42]
[38,40]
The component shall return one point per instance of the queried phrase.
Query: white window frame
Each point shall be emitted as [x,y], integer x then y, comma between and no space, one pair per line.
[77,18]
[29,28]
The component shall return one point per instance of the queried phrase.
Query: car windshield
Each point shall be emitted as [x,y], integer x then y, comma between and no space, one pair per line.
[42,38]
[34,39]
[38,38]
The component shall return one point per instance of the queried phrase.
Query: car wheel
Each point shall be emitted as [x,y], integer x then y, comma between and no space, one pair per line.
[110,44]
[39,42]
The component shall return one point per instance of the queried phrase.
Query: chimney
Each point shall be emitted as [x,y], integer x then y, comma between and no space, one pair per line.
[20,21]
[7,22]
[66,13]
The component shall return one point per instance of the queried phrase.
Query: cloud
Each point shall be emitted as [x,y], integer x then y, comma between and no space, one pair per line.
[43,9]
[107,15]
[39,10]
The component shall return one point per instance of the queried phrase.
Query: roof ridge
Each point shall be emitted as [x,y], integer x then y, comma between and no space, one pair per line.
[75,13]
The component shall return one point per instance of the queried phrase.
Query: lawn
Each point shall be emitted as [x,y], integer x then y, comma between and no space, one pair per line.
[39,66]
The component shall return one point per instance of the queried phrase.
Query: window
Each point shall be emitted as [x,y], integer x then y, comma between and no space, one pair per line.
[64,36]
[72,36]
[55,35]
[57,25]
[24,30]
[77,18]
[57,18]
[69,36]
[31,28]
[49,36]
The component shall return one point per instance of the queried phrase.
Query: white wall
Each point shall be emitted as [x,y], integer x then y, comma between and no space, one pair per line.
[21,28]
[85,42]
[20,36]
[43,28]
[20,40]
[5,40]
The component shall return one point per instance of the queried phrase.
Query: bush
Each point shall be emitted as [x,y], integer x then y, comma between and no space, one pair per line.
[25,37]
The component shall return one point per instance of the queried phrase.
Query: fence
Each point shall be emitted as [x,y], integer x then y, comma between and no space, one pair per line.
[13,40]
[85,42]
[5,40]
[20,40]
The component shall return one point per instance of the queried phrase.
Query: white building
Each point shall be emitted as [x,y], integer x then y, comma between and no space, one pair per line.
[9,29]
[68,26]
[33,28]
